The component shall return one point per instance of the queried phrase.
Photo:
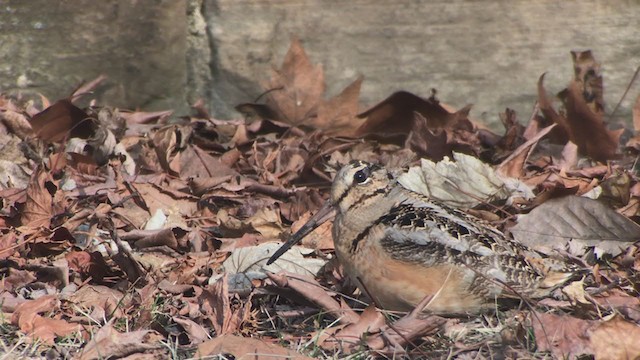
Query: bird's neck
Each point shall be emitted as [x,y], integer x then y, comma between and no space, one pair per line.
[353,222]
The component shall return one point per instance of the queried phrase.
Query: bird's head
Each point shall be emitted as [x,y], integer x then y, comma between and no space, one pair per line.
[359,183]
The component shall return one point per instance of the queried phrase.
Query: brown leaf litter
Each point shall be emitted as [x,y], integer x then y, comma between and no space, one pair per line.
[122,231]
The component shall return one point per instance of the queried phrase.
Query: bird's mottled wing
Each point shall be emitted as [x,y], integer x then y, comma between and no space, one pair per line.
[428,234]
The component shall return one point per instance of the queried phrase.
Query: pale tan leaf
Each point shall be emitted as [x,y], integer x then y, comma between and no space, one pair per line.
[167,146]
[47,329]
[370,321]
[13,175]
[242,348]
[465,182]
[92,296]
[249,263]
[88,87]
[267,222]
[17,122]
[575,292]
[216,305]
[109,343]
[616,339]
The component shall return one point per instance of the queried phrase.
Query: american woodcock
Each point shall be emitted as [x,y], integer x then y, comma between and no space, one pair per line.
[398,246]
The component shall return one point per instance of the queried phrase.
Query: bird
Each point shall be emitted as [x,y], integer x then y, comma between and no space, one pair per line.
[400,247]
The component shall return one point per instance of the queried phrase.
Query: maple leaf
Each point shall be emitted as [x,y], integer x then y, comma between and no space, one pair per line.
[296,89]
[294,95]
[338,114]
[39,208]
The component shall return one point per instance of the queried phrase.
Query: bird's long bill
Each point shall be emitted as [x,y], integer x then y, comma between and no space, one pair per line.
[325,213]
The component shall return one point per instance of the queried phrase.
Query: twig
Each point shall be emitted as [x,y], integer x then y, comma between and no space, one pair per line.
[129,263]
[408,327]
[413,325]
[309,289]
[275,191]
[626,91]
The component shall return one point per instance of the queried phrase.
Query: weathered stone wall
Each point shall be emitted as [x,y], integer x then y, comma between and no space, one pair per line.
[489,53]
[51,46]
[168,53]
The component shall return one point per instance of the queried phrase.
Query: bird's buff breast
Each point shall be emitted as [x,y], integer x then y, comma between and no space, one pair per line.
[400,286]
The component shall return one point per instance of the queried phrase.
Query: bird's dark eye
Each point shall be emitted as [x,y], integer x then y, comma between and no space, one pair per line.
[361,175]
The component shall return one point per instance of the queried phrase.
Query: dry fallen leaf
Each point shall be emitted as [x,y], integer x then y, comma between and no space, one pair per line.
[616,339]
[296,89]
[427,143]
[249,263]
[563,336]
[464,183]
[583,124]
[337,116]
[16,121]
[561,133]
[267,222]
[587,129]
[39,209]
[62,120]
[348,337]
[8,245]
[314,292]
[108,343]
[197,334]
[168,142]
[587,72]
[513,165]
[142,117]
[634,142]
[216,304]
[242,348]
[569,337]
[87,87]
[577,222]
[636,115]
[320,238]
[111,301]
[27,317]
[394,115]
[12,175]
